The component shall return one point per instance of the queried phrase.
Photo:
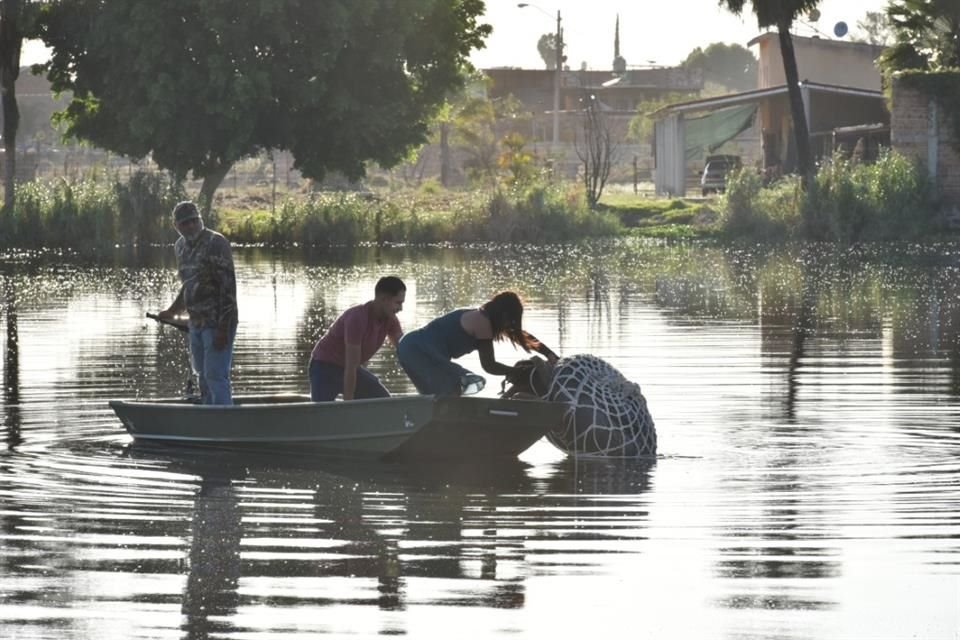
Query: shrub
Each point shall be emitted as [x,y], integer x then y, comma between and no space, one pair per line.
[846,202]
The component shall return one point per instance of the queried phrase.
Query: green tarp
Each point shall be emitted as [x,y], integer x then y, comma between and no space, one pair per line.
[705,134]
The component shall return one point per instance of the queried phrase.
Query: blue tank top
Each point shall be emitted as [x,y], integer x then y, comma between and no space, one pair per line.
[447,334]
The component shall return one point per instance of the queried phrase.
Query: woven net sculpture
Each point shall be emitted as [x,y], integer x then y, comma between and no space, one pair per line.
[607,414]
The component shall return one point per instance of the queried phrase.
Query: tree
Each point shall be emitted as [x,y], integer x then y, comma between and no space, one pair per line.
[200,84]
[11,42]
[875,28]
[547,47]
[927,35]
[478,128]
[781,14]
[641,127]
[597,149]
[730,65]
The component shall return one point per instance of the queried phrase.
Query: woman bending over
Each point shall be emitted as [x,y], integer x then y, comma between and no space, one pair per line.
[427,353]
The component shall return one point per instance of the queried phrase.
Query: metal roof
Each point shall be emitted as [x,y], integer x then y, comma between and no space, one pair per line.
[756,95]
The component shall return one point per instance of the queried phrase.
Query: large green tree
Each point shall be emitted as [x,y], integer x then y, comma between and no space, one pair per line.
[781,14]
[730,65]
[200,84]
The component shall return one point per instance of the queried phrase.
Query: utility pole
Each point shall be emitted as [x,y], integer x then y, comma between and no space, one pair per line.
[556,85]
[558,41]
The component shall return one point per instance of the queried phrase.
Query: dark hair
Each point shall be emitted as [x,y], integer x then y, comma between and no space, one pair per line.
[505,312]
[390,285]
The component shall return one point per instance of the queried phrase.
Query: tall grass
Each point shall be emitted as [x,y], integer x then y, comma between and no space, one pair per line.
[533,213]
[88,213]
[750,209]
[847,202]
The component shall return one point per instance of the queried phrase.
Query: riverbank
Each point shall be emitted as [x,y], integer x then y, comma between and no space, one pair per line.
[888,200]
[98,214]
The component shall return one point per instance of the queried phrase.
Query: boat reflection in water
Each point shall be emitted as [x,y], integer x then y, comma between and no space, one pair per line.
[309,534]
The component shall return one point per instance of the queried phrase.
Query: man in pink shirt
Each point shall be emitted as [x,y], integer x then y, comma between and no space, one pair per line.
[336,365]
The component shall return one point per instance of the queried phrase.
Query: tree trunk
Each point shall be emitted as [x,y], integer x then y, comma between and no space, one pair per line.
[801,131]
[211,182]
[11,41]
[445,154]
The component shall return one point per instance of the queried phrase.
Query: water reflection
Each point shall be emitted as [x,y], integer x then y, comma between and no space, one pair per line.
[214,560]
[11,364]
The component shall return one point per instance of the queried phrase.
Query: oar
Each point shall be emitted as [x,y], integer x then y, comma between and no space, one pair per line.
[176,322]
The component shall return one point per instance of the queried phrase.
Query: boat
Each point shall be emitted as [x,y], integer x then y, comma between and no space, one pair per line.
[394,428]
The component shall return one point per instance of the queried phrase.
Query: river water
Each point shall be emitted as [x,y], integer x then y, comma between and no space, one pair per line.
[807,402]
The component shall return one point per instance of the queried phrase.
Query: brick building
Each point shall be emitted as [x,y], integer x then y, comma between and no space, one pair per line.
[921,127]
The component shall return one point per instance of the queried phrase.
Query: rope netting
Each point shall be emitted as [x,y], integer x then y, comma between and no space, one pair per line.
[607,414]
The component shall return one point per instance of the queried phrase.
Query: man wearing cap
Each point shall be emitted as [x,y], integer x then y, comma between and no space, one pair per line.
[209,296]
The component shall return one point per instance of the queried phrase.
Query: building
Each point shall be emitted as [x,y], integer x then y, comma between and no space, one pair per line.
[840,85]
[618,92]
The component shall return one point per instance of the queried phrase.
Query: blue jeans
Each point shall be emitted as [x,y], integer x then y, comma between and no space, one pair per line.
[211,366]
[326,383]
[431,371]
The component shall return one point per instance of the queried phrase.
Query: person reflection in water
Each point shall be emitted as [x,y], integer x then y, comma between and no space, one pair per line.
[211,593]
[336,364]
[426,354]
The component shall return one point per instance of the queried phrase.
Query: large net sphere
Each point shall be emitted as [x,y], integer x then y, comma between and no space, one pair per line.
[607,414]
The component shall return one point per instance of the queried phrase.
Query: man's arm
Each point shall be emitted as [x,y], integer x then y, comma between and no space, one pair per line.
[176,307]
[351,359]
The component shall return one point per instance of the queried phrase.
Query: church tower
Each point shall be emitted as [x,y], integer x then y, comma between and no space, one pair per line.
[619,64]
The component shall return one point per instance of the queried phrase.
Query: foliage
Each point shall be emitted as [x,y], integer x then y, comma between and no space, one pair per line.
[729,65]
[200,84]
[533,212]
[752,210]
[144,204]
[875,28]
[642,124]
[516,160]
[772,13]
[16,18]
[944,85]
[478,128]
[781,14]
[846,202]
[88,213]
[547,48]
[539,213]
[927,35]
[661,217]
[889,199]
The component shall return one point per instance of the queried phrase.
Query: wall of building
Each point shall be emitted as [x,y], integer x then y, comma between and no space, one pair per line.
[915,133]
[847,64]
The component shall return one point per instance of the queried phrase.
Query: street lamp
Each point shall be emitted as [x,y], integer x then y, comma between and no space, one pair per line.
[558,42]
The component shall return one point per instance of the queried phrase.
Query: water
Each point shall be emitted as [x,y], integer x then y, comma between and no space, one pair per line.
[807,402]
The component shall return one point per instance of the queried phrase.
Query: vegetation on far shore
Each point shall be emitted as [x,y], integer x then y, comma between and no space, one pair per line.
[888,200]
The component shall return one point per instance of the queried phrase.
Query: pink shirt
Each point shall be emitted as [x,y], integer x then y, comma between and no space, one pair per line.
[356,325]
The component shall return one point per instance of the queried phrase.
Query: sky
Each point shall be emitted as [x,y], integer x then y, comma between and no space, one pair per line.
[651,31]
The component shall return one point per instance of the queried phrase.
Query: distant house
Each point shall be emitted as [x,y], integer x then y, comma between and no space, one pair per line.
[840,84]
[617,92]
[836,62]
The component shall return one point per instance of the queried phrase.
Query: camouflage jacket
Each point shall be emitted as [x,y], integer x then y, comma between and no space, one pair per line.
[209,289]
